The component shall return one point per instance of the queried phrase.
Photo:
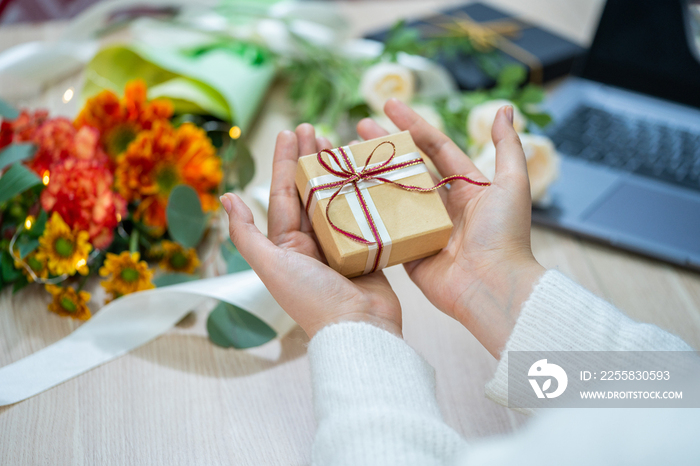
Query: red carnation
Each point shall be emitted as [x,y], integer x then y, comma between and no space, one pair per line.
[80,190]
[57,140]
[22,128]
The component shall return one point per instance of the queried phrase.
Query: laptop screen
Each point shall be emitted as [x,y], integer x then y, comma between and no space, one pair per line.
[647,46]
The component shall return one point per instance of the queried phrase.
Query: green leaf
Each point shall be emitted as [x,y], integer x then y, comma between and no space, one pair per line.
[242,166]
[8,111]
[16,153]
[511,75]
[39,225]
[26,247]
[234,260]
[21,282]
[15,181]
[214,81]
[531,94]
[230,326]
[173,279]
[9,273]
[540,119]
[186,220]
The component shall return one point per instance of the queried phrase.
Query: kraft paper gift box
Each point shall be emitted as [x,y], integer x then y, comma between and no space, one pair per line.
[411,225]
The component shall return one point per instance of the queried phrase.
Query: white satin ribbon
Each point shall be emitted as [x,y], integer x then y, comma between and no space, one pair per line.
[354,203]
[129,322]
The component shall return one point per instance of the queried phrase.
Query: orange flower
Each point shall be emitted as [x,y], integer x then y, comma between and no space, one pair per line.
[162,158]
[120,121]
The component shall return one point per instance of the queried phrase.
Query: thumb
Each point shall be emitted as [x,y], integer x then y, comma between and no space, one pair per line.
[255,248]
[510,158]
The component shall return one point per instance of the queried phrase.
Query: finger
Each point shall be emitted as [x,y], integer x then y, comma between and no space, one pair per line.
[284,214]
[510,157]
[445,154]
[367,128]
[306,135]
[323,143]
[255,248]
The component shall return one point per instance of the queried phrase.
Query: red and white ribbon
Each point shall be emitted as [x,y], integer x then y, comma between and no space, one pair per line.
[345,178]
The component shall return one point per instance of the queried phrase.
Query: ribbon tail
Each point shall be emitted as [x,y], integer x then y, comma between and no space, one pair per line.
[129,322]
[345,233]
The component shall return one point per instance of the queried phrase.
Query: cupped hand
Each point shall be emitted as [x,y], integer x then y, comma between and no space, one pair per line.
[487,270]
[289,260]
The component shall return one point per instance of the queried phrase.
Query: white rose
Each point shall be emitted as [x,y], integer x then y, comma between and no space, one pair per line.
[480,120]
[427,112]
[542,163]
[384,81]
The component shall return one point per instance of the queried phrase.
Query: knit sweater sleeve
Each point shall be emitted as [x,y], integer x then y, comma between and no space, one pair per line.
[375,404]
[560,315]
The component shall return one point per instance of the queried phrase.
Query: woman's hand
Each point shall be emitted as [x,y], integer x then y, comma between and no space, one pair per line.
[487,270]
[290,262]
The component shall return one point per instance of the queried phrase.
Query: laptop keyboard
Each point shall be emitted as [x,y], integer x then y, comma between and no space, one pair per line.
[633,144]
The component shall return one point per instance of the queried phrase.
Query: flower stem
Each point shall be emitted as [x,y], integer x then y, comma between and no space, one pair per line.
[134,241]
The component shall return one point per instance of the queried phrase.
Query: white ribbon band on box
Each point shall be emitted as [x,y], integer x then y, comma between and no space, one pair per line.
[129,322]
[354,203]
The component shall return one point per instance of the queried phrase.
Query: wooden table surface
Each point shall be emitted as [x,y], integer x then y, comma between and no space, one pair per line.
[182,400]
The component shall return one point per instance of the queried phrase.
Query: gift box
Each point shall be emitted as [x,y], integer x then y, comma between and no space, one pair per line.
[546,55]
[373,204]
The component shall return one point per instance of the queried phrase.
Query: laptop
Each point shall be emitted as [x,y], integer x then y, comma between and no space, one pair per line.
[628,128]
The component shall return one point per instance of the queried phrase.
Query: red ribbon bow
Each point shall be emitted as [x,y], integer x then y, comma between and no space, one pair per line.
[350,175]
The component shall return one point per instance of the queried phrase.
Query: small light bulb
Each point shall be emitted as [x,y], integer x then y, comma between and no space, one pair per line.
[29,222]
[80,263]
[45,178]
[68,95]
[119,217]
[234,132]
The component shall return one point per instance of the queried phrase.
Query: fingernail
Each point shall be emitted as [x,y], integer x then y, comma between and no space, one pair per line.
[226,202]
[509,113]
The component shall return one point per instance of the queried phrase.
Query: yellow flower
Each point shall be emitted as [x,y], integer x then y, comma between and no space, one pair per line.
[128,274]
[64,250]
[37,266]
[178,259]
[68,302]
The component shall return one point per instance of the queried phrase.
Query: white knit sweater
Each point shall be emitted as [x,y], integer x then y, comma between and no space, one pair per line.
[375,402]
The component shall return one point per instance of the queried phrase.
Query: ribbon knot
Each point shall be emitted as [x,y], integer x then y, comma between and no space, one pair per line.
[349,175]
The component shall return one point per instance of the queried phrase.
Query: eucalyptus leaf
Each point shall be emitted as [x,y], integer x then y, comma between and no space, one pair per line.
[243,165]
[8,111]
[234,260]
[173,279]
[9,272]
[186,220]
[39,225]
[15,181]
[21,282]
[16,153]
[27,247]
[230,326]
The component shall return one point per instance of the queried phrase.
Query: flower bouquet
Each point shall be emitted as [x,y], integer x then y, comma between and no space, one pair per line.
[121,191]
